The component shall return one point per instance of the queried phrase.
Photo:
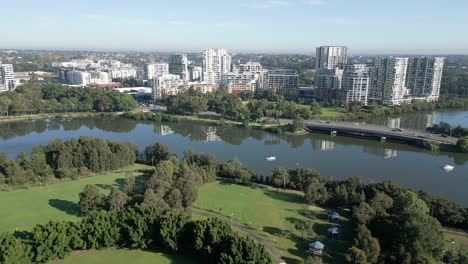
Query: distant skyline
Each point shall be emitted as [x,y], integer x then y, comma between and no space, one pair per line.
[267,26]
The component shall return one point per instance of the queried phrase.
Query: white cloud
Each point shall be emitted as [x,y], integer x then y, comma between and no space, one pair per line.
[314,2]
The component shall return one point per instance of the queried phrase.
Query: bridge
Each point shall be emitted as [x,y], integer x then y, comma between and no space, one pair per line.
[377,132]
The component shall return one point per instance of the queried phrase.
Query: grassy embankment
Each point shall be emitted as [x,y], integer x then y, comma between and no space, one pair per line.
[53,115]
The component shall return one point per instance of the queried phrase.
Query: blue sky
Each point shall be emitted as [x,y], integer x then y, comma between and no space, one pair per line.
[366,26]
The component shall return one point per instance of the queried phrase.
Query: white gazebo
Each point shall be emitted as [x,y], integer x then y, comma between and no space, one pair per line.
[316,248]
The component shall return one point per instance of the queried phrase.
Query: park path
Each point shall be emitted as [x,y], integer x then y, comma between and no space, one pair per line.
[274,252]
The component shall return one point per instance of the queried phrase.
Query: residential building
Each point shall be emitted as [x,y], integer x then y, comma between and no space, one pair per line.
[7,77]
[178,65]
[424,77]
[240,82]
[155,69]
[75,77]
[328,78]
[255,68]
[123,73]
[164,85]
[284,82]
[98,77]
[388,83]
[330,57]
[357,80]
[195,73]
[216,63]
[203,87]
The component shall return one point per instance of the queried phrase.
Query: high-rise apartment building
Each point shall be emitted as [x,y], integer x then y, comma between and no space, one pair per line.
[284,81]
[7,77]
[195,73]
[388,83]
[328,78]
[424,77]
[155,69]
[329,57]
[356,81]
[178,65]
[164,85]
[216,63]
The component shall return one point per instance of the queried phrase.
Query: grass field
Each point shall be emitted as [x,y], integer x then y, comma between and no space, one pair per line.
[23,209]
[331,112]
[460,241]
[272,215]
[122,256]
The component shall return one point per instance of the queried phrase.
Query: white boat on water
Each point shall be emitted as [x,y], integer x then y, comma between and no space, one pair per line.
[271,158]
[448,167]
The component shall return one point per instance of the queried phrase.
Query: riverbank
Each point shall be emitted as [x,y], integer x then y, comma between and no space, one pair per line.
[4,119]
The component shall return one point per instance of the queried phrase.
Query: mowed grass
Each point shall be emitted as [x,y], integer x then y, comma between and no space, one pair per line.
[122,256]
[461,241]
[273,215]
[331,112]
[23,209]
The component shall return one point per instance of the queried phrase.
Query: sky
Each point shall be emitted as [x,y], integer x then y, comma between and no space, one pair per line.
[281,26]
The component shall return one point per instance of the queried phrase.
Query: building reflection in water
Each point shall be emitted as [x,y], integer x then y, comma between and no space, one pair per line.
[163,130]
[394,122]
[412,121]
[390,153]
[211,135]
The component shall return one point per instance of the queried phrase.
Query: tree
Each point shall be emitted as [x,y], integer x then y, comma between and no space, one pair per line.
[313,260]
[129,186]
[156,153]
[356,256]
[13,250]
[155,199]
[90,199]
[462,145]
[171,225]
[297,124]
[117,200]
[174,199]
[280,177]
[315,191]
[367,243]
[363,213]
[50,241]
[305,227]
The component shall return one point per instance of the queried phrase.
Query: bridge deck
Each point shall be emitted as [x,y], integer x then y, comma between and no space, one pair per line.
[375,131]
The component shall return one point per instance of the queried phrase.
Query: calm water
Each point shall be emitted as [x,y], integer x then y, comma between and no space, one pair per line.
[422,120]
[337,157]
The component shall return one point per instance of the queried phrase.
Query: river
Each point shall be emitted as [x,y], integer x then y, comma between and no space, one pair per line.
[336,157]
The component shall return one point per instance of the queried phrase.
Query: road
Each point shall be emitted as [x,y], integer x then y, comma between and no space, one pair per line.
[376,129]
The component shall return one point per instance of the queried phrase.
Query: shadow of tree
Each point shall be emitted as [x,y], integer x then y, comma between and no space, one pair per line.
[104,186]
[273,231]
[22,234]
[68,207]
[286,197]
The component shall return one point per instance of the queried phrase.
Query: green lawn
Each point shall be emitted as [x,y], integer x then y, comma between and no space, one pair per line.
[272,215]
[23,209]
[460,241]
[331,112]
[122,256]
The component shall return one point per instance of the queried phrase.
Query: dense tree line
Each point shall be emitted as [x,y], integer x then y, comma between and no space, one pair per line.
[65,159]
[145,227]
[447,129]
[455,81]
[357,110]
[55,98]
